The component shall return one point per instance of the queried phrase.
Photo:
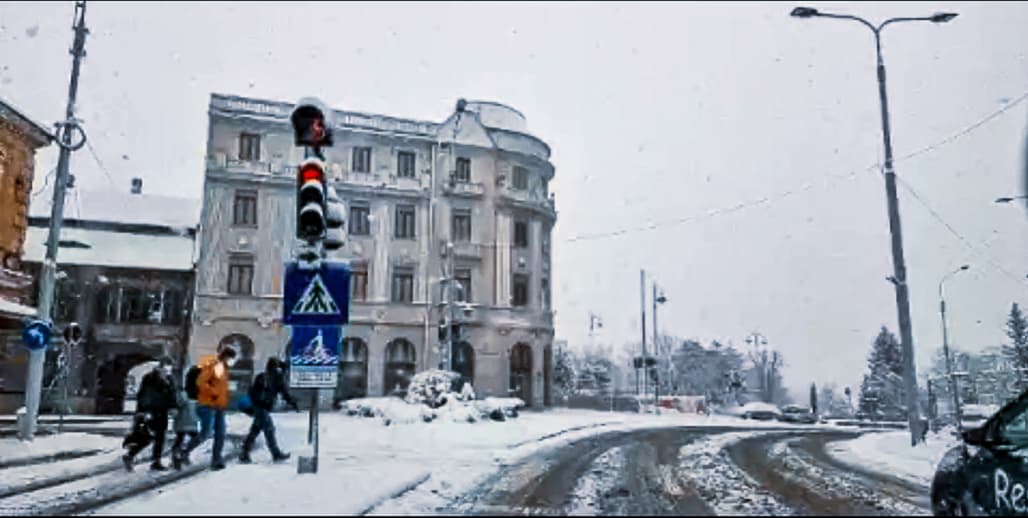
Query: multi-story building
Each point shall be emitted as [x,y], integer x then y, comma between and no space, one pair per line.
[477,179]
[20,137]
[125,275]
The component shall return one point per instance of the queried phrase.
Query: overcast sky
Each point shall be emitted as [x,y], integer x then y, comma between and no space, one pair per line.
[657,114]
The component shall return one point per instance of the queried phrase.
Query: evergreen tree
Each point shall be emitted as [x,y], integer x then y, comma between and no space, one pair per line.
[1017,350]
[881,391]
[813,398]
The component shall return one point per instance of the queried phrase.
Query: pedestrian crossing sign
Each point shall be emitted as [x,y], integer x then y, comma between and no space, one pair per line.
[316,297]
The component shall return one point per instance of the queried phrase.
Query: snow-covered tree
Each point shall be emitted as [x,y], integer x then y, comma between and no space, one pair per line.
[881,391]
[1017,349]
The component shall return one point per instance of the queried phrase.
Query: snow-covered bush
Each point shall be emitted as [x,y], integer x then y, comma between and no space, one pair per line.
[432,387]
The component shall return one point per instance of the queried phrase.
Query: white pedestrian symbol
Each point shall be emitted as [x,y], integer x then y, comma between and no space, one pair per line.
[316,300]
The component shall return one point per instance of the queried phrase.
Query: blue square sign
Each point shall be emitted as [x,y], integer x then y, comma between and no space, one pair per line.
[316,297]
[314,356]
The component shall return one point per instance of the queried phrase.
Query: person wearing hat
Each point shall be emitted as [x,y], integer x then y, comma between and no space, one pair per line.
[156,398]
[264,392]
[212,402]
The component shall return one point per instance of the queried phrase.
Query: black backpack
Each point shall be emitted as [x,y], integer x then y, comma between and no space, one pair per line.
[192,387]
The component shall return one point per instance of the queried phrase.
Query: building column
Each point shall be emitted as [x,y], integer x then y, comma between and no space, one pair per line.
[502,270]
[379,275]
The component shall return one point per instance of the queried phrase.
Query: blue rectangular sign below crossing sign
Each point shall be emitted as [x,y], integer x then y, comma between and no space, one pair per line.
[316,297]
[314,356]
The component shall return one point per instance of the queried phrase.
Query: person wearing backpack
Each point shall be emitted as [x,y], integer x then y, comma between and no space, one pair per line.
[155,400]
[186,421]
[263,393]
[212,402]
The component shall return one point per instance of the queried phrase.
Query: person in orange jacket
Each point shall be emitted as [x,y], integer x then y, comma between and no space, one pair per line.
[212,401]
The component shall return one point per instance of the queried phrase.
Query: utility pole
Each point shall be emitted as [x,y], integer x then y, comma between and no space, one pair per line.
[33,386]
[656,346]
[899,277]
[642,308]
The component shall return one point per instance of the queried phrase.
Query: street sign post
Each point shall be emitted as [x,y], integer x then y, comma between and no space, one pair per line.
[316,305]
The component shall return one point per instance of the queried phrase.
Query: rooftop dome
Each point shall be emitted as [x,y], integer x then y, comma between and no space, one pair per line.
[497,115]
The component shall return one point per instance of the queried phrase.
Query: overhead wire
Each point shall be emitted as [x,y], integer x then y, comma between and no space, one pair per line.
[100,163]
[785,194]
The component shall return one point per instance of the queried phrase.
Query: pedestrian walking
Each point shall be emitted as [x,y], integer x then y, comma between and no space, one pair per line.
[156,398]
[187,424]
[212,401]
[266,388]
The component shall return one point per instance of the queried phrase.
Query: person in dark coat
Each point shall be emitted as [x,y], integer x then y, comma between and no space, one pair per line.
[263,393]
[156,398]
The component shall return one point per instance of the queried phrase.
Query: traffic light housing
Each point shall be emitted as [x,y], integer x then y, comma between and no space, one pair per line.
[310,126]
[335,233]
[310,200]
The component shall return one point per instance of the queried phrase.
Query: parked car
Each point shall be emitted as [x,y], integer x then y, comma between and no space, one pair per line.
[759,411]
[797,414]
[986,473]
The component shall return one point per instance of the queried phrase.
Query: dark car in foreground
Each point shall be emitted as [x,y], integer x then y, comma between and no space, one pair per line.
[797,414]
[988,473]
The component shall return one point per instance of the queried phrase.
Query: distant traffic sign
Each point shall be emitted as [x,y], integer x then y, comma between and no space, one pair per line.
[36,335]
[316,297]
[314,356]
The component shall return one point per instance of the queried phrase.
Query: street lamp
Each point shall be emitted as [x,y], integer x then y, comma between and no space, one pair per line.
[1008,199]
[899,268]
[759,343]
[945,346]
[657,346]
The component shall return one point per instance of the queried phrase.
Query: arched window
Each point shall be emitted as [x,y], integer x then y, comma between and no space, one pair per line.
[521,373]
[353,371]
[463,362]
[399,366]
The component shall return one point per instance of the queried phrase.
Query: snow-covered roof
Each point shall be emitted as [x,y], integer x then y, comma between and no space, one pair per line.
[7,306]
[114,249]
[121,207]
[39,135]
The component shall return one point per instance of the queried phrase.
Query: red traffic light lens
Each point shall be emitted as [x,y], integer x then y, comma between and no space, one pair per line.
[311,172]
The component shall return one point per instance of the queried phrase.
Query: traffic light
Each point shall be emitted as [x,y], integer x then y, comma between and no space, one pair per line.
[335,233]
[442,330]
[455,332]
[309,125]
[310,200]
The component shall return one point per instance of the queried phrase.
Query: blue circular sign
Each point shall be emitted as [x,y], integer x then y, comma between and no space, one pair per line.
[36,335]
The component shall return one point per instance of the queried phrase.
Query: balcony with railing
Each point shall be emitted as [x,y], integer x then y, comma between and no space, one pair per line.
[533,199]
[464,189]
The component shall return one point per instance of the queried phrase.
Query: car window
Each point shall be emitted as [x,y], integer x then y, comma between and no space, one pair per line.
[1015,430]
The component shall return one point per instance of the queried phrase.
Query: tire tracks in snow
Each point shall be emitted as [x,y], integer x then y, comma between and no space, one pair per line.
[794,468]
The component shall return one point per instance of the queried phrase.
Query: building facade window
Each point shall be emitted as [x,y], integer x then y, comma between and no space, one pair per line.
[244,209]
[460,225]
[463,171]
[544,287]
[249,147]
[520,284]
[403,285]
[520,234]
[405,222]
[359,282]
[463,276]
[359,224]
[405,164]
[135,305]
[361,160]
[520,181]
[240,274]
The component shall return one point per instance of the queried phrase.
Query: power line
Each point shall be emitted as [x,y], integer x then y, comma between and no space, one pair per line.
[968,130]
[99,163]
[46,182]
[725,210]
[988,258]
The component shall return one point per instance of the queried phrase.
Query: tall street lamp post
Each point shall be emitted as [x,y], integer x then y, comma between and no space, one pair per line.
[899,268]
[945,346]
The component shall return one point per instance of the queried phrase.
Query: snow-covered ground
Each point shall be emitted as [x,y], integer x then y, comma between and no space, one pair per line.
[364,463]
[890,453]
[13,450]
